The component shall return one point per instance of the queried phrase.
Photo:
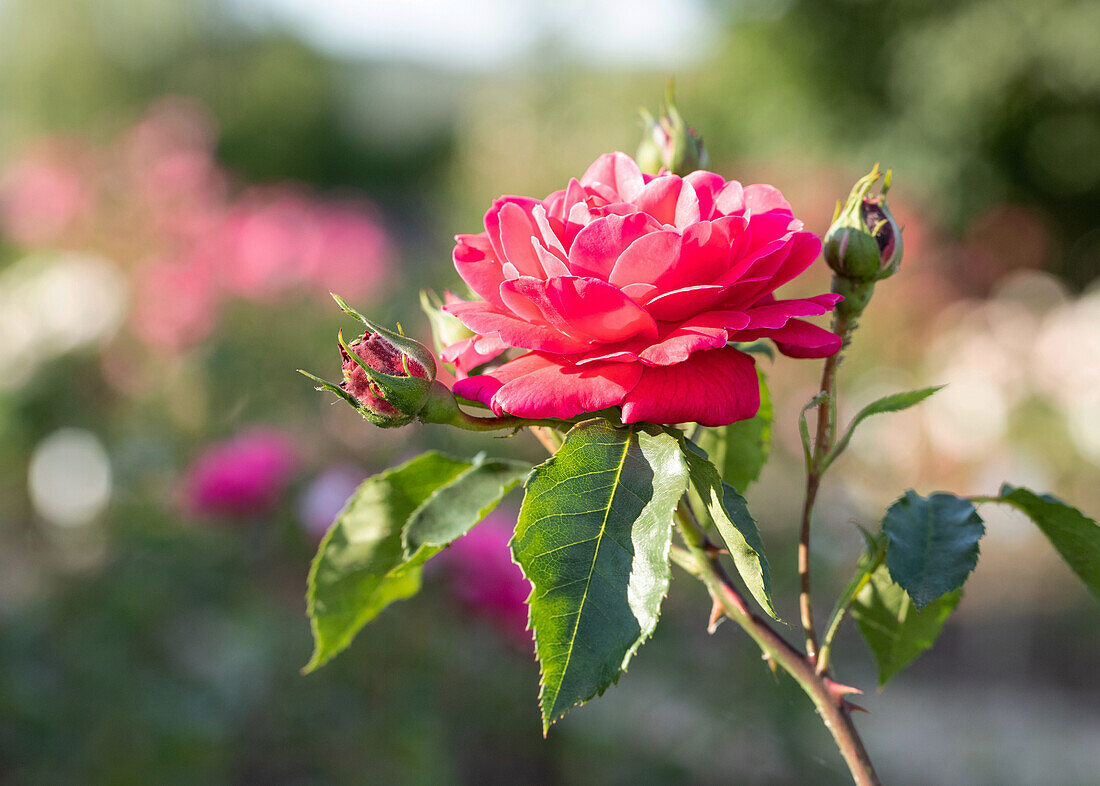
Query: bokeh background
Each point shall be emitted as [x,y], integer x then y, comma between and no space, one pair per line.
[182,182]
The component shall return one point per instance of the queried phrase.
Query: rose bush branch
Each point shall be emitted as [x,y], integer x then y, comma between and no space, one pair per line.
[614,318]
[862,246]
[829,697]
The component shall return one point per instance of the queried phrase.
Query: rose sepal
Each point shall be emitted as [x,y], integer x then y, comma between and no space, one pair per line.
[407,346]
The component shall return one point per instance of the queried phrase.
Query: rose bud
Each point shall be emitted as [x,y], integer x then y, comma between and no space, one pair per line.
[668,143]
[384,380]
[864,242]
[388,377]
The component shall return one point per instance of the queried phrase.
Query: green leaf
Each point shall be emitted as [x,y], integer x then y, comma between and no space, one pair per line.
[804,428]
[593,539]
[892,403]
[360,567]
[1075,536]
[454,508]
[895,631]
[869,562]
[740,450]
[730,514]
[932,544]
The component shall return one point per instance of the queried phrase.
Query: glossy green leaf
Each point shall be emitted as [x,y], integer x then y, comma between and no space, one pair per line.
[893,627]
[593,539]
[1075,536]
[740,450]
[455,507]
[895,402]
[360,567]
[730,514]
[932,544]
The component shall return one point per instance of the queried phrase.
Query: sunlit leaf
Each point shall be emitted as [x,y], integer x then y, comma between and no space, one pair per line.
[360,565]
[455,507]
[731,517]
[593,539]
[895,402]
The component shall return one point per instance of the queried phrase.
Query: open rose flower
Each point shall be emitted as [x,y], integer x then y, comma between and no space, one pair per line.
[627,289]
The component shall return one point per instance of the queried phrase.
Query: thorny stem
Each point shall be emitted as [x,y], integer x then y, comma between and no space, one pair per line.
[701,560]
[823,445]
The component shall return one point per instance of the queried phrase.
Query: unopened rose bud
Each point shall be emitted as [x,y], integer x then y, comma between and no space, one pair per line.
[386,382]
[388,377]
[864,242]
[669,143]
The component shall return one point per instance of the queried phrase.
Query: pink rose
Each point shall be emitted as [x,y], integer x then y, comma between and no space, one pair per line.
[626,288]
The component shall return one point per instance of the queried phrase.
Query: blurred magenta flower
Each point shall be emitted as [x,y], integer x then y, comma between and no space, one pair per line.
[484,578]
[241,476]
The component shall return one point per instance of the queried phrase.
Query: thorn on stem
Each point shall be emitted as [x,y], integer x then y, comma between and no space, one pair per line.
[838,691]
[716,617]
[848,705]
[771,665]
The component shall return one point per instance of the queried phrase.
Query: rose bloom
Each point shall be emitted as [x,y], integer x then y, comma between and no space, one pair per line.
[627,289]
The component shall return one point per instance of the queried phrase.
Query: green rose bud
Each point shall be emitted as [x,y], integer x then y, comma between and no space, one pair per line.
[864,242]
[669,142]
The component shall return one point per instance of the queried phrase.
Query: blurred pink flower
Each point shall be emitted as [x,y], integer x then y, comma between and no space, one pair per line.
[41,195]
[485,579]
[174,304]
[277,240]
[353,252]
[240,476]
[158,203]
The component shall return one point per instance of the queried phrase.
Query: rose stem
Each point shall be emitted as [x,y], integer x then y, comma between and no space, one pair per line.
[701,560]
[823,445]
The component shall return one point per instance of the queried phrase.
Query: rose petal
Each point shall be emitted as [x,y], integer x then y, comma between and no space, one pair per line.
[478,266]
[776,313]
[669,200]
[537,386]
[469,353]
[796,339]
[618,172]
[484,319]
[705,331]
[598,245]
[680,304]
[711,388]
[760,198]
[646,259]
[706,185]
[517,228]
[582,307]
